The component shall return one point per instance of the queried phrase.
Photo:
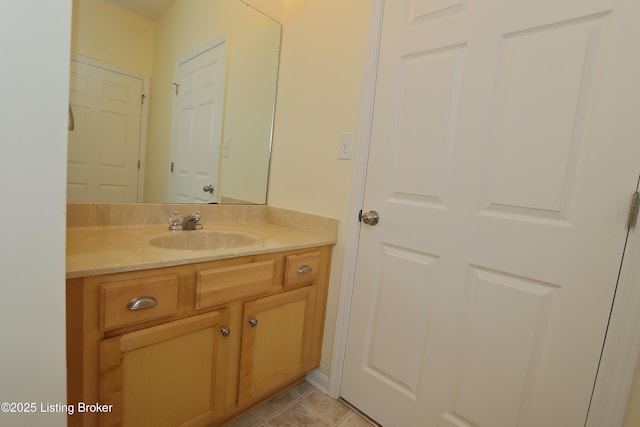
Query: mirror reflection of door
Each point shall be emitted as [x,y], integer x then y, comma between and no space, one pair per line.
[197,124]
[104,146]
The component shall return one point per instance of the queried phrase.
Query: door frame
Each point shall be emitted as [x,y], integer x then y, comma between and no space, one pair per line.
[622,343]
[621,351]
[144,113]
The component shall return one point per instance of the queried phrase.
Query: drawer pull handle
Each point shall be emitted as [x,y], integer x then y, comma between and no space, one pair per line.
[139,303]
[305,269]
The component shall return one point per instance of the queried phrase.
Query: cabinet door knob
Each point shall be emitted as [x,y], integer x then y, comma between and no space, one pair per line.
[225,332]
[304,269]
[253,322]
[139,303]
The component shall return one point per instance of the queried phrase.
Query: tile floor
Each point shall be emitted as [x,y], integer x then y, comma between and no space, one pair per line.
[301,406]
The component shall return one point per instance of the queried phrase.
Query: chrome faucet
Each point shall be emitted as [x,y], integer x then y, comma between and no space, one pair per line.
[189,222]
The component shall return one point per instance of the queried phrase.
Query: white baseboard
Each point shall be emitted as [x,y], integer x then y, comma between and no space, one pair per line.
[319,380]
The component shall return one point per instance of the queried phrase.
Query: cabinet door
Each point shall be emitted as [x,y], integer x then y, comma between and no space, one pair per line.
[276,341]
[166,375]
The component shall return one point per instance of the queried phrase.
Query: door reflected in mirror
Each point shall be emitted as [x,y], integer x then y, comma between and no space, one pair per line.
[175,109]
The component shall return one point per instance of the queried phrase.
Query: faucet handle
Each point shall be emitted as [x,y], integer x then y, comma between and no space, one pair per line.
[174,220]
[196,215]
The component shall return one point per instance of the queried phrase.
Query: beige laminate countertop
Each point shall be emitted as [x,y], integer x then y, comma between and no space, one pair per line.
[112,249]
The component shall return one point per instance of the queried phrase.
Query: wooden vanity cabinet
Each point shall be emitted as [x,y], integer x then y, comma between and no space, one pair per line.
[221,337]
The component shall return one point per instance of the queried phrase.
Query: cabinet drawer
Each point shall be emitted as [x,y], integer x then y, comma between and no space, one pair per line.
[137,300]
[301,269]
[220,285]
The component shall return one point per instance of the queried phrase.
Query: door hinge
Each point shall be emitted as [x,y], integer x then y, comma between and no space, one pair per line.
[142,97]
[633,211]
[171,167]
[138,164]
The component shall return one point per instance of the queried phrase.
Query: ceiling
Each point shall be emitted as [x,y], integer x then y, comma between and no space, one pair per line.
[149,8]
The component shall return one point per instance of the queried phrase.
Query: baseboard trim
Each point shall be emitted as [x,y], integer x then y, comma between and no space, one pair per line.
[319,380]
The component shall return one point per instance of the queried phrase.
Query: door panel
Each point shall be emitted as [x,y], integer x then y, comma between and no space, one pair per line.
[393,320]
[430,87]
[504,328]
[501,164]
[533,163]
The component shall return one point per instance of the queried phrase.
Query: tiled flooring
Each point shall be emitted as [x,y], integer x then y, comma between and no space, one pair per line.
[301,406]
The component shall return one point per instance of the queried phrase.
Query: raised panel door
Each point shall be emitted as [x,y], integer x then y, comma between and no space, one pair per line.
[502,161]
[104,146]
[197,125]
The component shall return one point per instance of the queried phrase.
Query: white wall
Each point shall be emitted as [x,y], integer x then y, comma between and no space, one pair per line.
[34,41]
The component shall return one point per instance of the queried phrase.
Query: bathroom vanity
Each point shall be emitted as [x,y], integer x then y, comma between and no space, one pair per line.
[161,336]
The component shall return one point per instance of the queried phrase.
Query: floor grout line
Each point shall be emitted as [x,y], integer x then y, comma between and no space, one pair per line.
[302,394]
[280,411]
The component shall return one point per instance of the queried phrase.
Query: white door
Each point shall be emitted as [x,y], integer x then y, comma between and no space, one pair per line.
[197,125]
[504,151]
[104,146]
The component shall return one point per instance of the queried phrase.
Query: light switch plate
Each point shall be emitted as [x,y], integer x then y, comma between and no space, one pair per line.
[345,148]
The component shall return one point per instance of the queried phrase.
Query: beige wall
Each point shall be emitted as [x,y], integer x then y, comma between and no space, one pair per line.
[321,70]
[632,418]
[184,27]
[108,33]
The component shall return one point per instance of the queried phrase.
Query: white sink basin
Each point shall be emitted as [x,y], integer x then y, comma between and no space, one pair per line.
[204,239]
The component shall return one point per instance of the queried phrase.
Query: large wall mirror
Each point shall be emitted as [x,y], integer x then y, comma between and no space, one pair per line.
[173,107]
